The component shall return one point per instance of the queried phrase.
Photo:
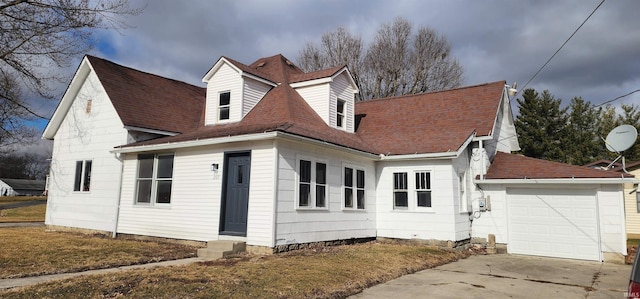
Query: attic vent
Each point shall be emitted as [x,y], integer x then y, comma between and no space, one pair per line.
[289,62]
[261,64]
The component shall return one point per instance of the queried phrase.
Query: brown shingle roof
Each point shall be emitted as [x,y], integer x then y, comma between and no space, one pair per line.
[149,101]
[509,166]
[432,122]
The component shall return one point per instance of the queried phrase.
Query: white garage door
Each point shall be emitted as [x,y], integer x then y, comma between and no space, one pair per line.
[555,223]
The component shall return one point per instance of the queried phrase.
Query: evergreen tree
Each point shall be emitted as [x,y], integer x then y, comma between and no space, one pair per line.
[608,121]
[630,116]
[582,141]
[541,126]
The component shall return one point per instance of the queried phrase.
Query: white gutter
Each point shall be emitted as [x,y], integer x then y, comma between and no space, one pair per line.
[194,143]
[442,155]
[152,131]
[559,181]
[327,144]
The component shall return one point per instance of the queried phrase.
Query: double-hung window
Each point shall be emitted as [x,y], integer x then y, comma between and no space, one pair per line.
[354,180]
[340,113]
[400,191]
[423,189]
[82,180]
[312,184]
[154,180]
[224,105]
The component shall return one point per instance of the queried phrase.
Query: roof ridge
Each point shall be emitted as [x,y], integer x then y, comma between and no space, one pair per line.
[431,92]
[140,71]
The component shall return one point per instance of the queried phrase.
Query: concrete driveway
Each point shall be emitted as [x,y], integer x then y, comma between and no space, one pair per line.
[504,276]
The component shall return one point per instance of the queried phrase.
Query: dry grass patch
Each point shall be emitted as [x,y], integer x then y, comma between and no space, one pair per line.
[332,272]
[31,251]
[24,214]
[12,199]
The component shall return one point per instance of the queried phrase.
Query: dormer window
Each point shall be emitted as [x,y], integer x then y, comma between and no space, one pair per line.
[224,105]
[340,114]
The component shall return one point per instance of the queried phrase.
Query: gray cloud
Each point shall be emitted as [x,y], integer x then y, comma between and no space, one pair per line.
[493,40]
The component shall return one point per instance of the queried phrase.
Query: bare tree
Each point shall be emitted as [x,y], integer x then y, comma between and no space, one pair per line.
[397,61]
[336,48]
[39,36]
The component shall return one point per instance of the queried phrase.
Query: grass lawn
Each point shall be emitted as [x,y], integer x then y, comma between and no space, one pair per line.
[31,251]
[24,214]
[331,272]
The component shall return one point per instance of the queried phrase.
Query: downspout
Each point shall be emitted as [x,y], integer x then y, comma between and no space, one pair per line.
[117,216]
[482,169]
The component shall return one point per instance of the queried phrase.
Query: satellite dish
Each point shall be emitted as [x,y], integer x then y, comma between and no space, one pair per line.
[621,138]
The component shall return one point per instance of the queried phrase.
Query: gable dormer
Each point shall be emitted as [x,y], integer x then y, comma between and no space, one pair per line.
[232,91]
[331,93]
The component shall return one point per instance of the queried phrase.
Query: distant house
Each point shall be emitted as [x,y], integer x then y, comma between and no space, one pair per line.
[275,157]
[20,187]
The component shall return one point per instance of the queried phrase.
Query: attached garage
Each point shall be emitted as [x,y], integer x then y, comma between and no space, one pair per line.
[553,222]
[543,208]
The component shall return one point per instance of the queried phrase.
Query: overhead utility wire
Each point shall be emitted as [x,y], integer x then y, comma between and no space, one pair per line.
[620,97]
[554,54]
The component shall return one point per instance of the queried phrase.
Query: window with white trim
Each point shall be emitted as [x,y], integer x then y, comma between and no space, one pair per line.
[354,188]
[224,105]
[423,189]
[638,202]
[340,113]
[82,180]
[400,190]
[154,179]
[312,184]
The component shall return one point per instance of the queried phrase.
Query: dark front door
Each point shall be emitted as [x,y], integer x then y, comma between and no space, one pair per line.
[236,195]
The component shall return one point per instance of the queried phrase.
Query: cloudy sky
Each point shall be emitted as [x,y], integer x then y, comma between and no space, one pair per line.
[492,39]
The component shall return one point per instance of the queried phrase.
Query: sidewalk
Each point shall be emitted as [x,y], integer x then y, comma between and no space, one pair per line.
[26,281]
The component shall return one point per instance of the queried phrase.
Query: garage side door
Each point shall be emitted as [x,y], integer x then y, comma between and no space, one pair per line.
[555,223]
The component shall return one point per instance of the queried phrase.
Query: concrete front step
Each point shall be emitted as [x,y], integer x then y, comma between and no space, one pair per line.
[220,249]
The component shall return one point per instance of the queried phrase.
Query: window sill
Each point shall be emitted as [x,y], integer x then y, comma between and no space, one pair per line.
[348,210]
[310,209]
[152,206]
[419,211]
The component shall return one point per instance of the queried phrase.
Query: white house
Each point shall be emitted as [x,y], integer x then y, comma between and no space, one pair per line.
[273,156]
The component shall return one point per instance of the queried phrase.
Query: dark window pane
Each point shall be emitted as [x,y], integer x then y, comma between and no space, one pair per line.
[225,98]
[348,177]
[423,180]
[145,166]
[224,113]
[400,181]
[165,167]
[163,192]
[340,106]
[348,198]
[360,179]
[320,196]
[321,173]
[305,171]
[424,199]
[339,120]
[144,191]
[87,176]
[240,174]
[78,178]
[360,199]
[400,199]
[304,195]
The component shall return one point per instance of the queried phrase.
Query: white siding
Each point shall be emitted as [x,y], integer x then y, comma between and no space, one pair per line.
[194,212]
[253,93]
[631,207]
[462,205]
[438,222]
[334,223]
[611,212]
[225,79]
[86,136]
[317,96]
[342,89]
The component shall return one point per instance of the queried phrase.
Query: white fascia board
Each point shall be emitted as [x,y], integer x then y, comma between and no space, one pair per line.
[327,145]
[67,99]
[442,155]
[574,181]
[351,81]
[152,131]
[194,143]
[259,79]
[215,68]
[312,82]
